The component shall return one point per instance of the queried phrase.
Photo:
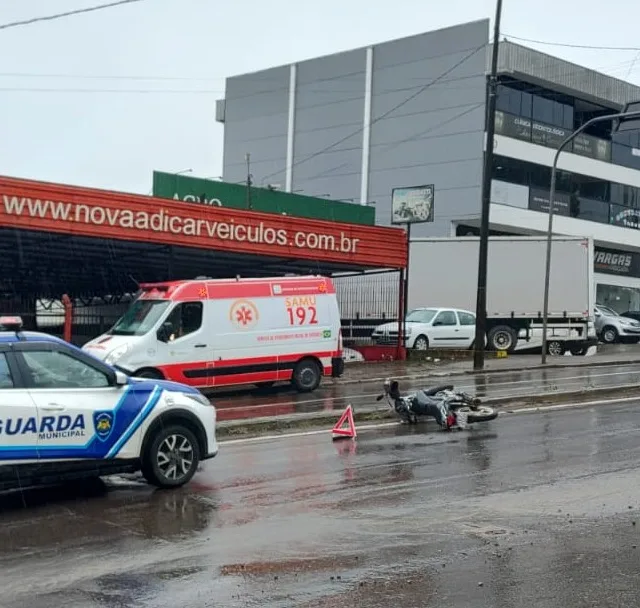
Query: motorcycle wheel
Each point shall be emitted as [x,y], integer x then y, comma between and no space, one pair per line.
[480,413]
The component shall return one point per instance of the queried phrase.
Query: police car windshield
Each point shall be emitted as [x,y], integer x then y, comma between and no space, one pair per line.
[141,317]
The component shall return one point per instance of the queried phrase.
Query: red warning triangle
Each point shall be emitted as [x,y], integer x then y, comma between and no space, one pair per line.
[345,433]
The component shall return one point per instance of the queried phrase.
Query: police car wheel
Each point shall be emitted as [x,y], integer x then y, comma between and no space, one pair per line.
[171,458]
[306,376]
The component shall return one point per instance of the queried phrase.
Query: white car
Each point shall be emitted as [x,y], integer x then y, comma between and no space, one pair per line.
[431,328]
[65,414]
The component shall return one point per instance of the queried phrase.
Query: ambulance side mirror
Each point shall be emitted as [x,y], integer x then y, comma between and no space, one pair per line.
[121,379]
[164,333]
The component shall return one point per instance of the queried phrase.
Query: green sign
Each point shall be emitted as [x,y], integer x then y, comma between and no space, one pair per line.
[222,194]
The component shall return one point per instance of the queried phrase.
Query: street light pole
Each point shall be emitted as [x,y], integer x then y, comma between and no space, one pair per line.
[552,193]
[483,250]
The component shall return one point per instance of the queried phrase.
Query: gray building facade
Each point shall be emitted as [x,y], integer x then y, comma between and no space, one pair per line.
[354,125]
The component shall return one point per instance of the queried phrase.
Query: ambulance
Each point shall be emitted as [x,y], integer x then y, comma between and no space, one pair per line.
[219,333]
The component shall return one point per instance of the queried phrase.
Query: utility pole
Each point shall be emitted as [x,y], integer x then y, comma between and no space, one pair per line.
[249,181]
[481,302]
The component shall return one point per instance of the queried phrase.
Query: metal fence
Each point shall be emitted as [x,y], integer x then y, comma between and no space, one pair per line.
[366,301]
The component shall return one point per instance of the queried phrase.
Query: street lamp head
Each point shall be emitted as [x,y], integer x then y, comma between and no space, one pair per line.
[631,122]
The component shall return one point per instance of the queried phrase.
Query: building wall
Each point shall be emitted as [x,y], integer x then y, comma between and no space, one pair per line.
[427,109]
[256,119]
[329,108]
[437,136]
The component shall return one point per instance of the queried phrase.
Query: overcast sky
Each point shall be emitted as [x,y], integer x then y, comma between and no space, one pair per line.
[155,68]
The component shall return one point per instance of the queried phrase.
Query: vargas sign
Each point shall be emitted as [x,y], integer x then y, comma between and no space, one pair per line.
[610,261]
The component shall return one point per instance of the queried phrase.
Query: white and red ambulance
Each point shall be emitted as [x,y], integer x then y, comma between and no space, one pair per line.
[212,333]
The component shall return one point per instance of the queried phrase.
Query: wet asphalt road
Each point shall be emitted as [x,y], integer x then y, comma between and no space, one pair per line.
[280,400]
[529,510]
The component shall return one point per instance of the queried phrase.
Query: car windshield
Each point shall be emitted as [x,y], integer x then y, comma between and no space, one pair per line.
[141,317]
[608,311]
[422,315]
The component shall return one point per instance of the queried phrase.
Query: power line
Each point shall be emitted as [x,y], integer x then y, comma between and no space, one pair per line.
[384,114]
[573,46]
[131,91]
[78,11]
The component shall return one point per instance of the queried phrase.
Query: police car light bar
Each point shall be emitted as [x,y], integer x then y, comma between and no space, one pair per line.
[11,323]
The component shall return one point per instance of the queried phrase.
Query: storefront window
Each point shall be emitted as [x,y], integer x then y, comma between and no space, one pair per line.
[620,299]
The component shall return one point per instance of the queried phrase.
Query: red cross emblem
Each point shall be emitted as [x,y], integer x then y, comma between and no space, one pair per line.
[244,315]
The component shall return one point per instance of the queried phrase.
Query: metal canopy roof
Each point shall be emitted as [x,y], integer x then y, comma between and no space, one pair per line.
[47,265]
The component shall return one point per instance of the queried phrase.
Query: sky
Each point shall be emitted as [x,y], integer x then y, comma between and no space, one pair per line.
[104,98]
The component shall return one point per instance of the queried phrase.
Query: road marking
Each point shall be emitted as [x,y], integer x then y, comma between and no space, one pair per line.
[369,427]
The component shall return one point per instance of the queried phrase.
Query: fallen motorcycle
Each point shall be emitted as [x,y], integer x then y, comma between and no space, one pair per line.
[450,408]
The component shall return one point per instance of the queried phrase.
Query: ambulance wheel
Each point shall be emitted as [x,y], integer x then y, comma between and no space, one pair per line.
[171,458]
[152,374]
[306,376]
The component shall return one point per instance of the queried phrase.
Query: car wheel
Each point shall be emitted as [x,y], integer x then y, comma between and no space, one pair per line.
[171,458]
[306,376]
[421,343]
[609,334]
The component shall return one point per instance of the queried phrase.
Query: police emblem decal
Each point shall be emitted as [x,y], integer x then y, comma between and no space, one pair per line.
[103,424]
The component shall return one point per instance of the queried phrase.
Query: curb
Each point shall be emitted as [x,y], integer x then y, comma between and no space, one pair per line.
[234,429]
[443,372]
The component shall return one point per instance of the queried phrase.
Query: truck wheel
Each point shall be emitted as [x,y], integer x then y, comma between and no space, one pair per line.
[609,335]
[503,337]
[421,343]
[578,351]
[306,376]
[555,348]
[171,458]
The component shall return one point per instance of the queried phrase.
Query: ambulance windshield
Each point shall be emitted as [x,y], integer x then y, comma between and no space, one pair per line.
[141,318]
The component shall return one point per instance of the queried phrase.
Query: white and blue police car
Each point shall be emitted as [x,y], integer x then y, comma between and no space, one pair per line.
[64,414]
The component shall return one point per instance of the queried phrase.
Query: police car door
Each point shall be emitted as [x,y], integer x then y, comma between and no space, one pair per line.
[18,414]
[75,400]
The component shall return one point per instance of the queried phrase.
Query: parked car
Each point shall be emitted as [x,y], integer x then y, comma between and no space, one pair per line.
[632,314]
[613,327]
[66,415]
[431,328]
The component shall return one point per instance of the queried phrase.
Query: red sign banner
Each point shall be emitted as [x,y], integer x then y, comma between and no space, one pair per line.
[96,213]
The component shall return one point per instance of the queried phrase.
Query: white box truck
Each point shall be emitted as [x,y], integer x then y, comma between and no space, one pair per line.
[443,272]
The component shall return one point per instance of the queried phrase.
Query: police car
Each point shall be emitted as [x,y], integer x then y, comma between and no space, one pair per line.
[65,414]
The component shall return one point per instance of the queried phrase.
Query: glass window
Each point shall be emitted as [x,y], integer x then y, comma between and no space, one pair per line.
[567,122]
[543,109]
[526,102]
[6,381]
[52,369]
[424,315]
[466,318]
[446,317]
[587,209]
[140,318]
[509,100]
[184,319]
[622,299]
[558,114]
